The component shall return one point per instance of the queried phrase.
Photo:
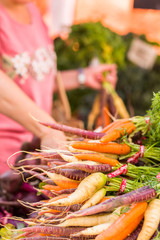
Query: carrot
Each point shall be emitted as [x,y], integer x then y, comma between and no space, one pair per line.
[84,191]
[52,211]
[68,158]
[74,174]
[114,148]
[59,180]
[47,193]
[130,228]
[65,191]
[88,166]
[52,187]
[57,198]
[151,220]
[118,132]
[135,233]
[100,227]
[115,124]
[107,119]
[89,221]
[96,198]
[93,231]
[121,228]
[76,151]
[118,102]
[67,184]
[98,158]
[105,198]
[73,130]
[139,195]
[72,208]
[55,230]
[44,237]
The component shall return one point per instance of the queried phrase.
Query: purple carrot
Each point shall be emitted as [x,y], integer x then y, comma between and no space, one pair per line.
[89,168]
[52,163]
[74,174]
[65,191]
[40,176]
[72,208]
[55,238]
[55,230]
[48,193]
[48,155]
[138,195]
[45,167]
[45,238]
[73,130]
[9,203]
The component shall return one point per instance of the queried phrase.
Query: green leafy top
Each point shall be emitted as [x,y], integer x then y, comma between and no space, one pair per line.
[6,233]
[154,116]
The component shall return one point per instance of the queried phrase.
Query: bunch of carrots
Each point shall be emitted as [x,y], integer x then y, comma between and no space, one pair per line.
[103,187]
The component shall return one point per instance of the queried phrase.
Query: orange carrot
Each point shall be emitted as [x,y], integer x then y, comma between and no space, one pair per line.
[98,158]
[125,224]
[52,187]
[115,124]
[52,211]
[130,228]
[68,184]
[58,197]
[113,148]
[118,132]
[107,119]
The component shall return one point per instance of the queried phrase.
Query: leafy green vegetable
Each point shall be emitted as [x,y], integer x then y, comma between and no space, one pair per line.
[125,209]
[154,116]
[157,237]
[6,233]
[41,184]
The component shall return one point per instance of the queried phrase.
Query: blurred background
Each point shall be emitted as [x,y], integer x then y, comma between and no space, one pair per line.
[124,32]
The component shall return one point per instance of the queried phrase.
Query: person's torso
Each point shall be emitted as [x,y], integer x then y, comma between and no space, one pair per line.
[27,56]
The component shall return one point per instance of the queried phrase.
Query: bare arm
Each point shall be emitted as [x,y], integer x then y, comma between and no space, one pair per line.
[93,76]
[15,104]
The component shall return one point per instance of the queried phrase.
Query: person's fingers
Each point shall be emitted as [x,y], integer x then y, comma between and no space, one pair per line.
[99,77]
[106,67]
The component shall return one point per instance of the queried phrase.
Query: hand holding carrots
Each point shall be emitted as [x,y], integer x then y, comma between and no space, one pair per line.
[94,75]
[53,139]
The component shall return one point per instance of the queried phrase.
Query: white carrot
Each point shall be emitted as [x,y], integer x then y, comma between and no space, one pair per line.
[89,221]
[57,177]
[84,191]
[68,158]
[96,198]
[93,230]
[151,220]
[101,227]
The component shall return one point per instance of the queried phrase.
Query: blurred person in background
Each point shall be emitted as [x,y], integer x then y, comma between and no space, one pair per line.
[27,73]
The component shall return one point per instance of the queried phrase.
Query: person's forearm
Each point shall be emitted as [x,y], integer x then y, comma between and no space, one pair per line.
[70,79]
[93,77]
[15,104]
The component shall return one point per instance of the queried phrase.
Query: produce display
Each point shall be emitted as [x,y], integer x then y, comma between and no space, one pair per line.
[102,185]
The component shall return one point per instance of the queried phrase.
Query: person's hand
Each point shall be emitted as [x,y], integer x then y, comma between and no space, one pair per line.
[94,75]
[53,139]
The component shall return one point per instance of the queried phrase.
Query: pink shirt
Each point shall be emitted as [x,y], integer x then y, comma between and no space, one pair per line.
[28,58]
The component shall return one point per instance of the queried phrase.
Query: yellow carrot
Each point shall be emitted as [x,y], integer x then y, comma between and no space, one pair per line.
[85,190]
[151,220]
[96,198]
